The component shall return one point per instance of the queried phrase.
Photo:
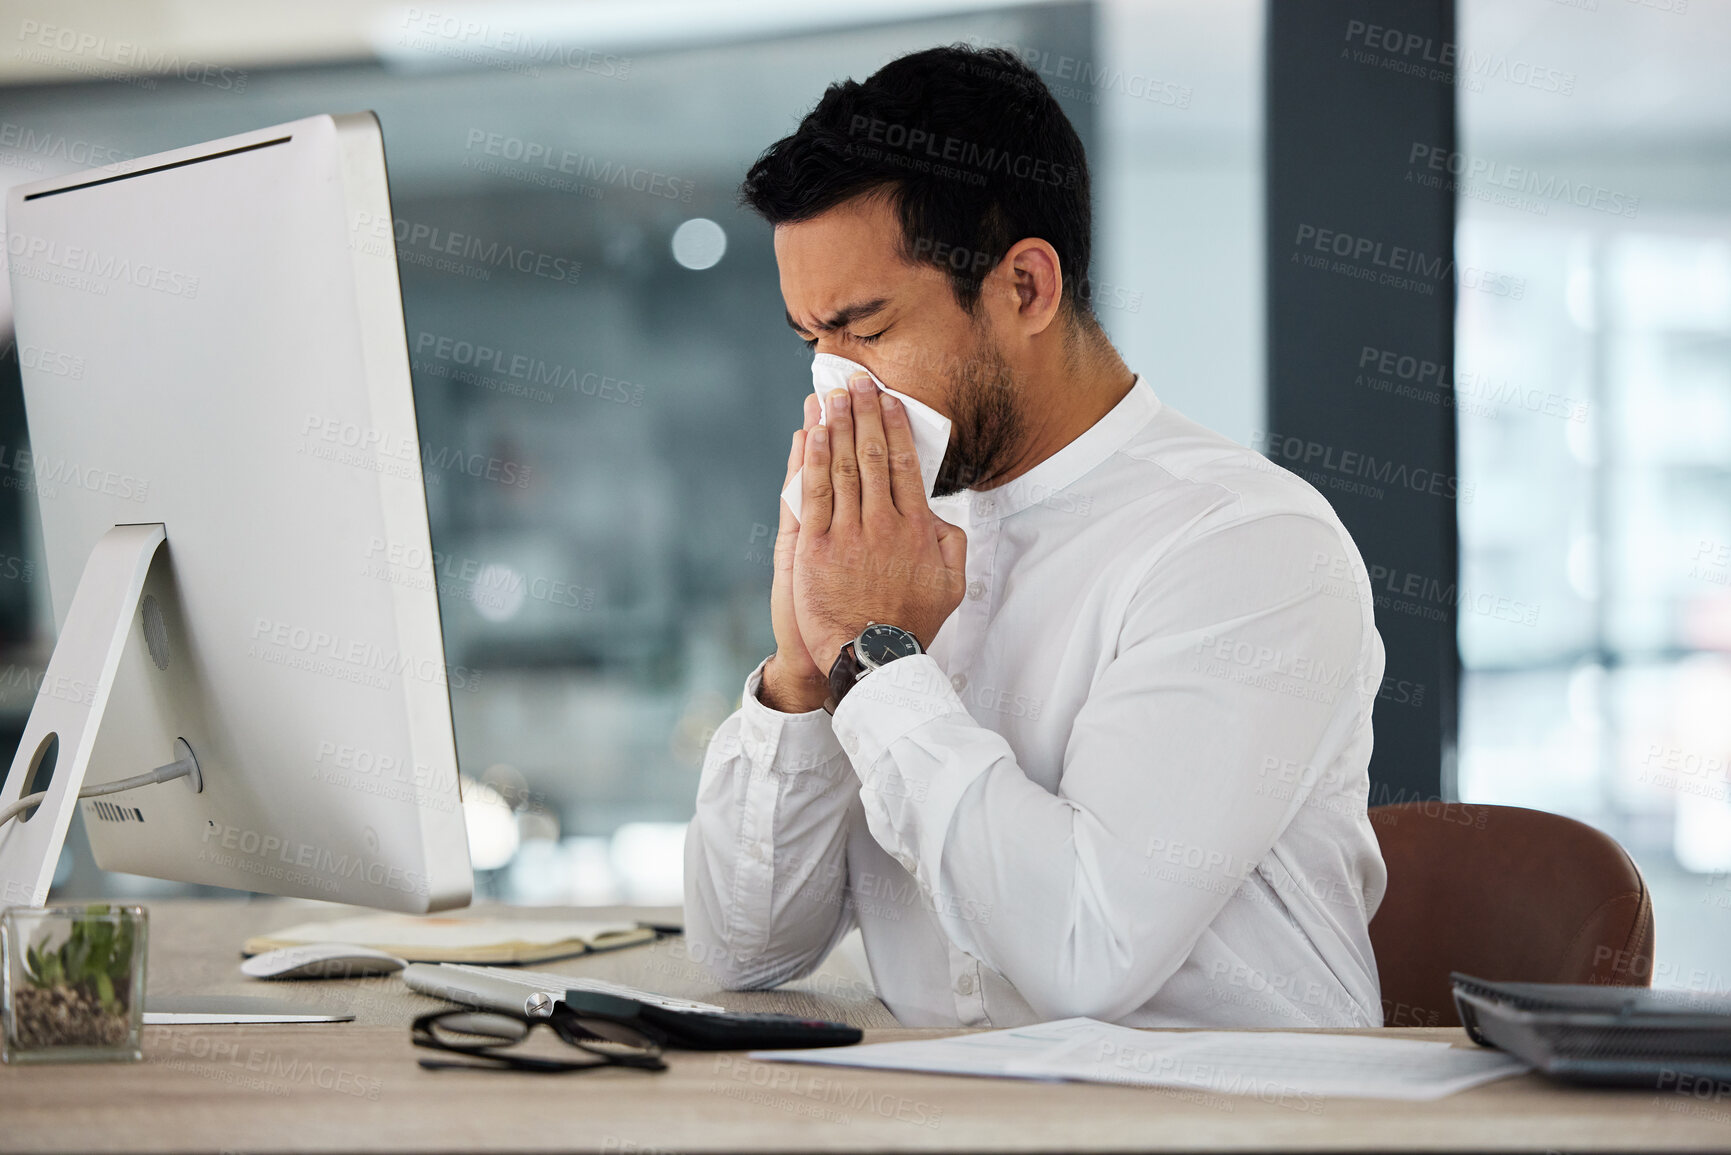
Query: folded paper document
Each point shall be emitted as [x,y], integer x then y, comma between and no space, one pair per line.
[471,940]
[1293,1067]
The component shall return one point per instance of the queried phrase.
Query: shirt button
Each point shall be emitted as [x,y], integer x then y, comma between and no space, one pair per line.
[907,861]
[985,505]
[850,744]
[959,681]
[976,590]
[965,985]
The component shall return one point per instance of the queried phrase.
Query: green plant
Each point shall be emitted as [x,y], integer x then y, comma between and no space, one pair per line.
[95,959]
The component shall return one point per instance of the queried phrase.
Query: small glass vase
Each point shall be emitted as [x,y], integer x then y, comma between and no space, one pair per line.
[72,981]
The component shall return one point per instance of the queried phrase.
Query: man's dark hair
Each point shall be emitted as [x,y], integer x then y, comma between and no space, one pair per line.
[970,144]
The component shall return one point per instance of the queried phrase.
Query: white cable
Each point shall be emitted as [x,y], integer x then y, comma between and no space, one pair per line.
[165,773]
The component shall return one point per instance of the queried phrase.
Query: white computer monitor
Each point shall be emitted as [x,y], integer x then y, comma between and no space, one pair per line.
[224,452]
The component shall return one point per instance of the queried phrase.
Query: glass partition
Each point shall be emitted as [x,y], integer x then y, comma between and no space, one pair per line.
[1594,410]
[603,376]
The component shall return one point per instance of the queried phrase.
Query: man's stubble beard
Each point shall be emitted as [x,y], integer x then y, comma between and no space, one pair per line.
[987,427]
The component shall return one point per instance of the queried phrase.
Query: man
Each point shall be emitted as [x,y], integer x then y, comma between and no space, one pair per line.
[1105,750]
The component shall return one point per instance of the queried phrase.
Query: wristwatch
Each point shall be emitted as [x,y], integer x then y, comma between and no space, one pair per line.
[877,645]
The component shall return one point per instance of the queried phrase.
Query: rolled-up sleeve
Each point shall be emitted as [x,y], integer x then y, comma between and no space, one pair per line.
[765,855]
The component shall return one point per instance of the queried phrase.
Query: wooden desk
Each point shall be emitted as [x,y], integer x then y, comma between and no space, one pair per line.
[356,1086]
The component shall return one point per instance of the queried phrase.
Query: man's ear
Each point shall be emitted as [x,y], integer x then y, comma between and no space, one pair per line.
[1032,272]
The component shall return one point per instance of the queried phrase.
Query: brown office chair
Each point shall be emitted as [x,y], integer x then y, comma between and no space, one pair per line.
[1501,892]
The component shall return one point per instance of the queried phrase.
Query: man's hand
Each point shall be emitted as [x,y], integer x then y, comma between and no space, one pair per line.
[869,548]
[792,682]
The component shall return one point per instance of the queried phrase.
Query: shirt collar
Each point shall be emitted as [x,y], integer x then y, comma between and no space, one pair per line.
[1067,466]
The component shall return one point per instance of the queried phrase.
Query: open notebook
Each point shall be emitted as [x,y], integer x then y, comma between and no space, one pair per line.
[421,938]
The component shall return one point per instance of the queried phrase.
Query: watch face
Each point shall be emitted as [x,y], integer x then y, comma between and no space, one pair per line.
[880,644]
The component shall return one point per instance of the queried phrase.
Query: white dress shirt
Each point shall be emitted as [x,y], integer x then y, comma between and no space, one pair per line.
[1128,781]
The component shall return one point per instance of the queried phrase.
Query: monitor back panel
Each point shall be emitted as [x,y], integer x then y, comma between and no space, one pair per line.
[217,344]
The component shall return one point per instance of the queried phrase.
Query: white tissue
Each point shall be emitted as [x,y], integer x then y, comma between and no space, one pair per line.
[931,428]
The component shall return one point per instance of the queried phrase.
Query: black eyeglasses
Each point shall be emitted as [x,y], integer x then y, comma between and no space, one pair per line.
[483,1037]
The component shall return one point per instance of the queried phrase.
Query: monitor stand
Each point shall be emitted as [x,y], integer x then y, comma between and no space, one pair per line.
[86,656]
[67,714]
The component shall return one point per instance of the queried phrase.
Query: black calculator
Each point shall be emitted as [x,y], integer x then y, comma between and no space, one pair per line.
[708,1031]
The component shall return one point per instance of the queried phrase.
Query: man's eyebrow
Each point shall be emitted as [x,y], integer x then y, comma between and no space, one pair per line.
[845,316]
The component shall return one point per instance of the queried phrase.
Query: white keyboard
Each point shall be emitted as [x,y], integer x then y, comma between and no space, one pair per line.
[511,989]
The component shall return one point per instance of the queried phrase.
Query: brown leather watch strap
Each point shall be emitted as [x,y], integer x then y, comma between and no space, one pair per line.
[842,676]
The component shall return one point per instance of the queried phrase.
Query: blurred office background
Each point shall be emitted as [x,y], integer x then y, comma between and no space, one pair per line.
[1594,418]
[616,602]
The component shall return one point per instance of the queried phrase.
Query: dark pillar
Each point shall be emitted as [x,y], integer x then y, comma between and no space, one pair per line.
[1361,296]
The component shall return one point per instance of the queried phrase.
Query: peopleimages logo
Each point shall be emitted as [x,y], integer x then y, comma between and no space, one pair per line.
[76,50]
[46,360]
[43,146]
[362,447]
[1520,187]
[1469,390]
[563,162]
[354,659]
[20,469]
[385,776]
[461,37]
[489,585]
[1414,53]
[1090,79]
[41,259]
[450,251]
[262,851]
[965,153]
[1303,455]
[528,369]
[1397,266]
[1415,594]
